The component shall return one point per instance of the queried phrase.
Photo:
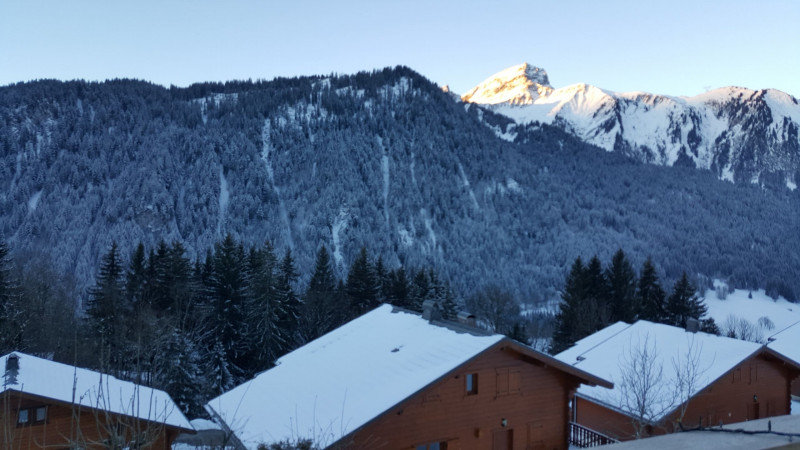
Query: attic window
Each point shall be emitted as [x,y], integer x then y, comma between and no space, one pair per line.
[472,383]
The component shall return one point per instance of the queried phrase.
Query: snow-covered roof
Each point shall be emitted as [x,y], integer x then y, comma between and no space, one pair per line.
[786,342]
[341,381]
[608,354]
[87,388]
[337,383]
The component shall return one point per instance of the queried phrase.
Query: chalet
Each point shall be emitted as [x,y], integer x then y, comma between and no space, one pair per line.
[46,404]
[666,378]
[786,342]
[392,379]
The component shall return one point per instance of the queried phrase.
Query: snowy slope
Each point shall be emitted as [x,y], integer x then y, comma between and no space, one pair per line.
[765,316]
[740,134]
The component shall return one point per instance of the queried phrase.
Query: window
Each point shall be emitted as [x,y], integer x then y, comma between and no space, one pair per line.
[508,381]
[472,384]
[30,416]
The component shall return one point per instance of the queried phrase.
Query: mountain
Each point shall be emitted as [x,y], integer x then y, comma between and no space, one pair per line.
[739,134]
[382,159]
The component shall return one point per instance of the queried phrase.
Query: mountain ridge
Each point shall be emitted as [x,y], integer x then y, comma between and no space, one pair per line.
[740,134]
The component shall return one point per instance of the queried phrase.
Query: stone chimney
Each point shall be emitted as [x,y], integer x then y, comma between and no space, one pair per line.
[430,311]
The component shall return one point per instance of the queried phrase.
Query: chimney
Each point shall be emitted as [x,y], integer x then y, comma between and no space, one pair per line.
[12,369]
[692,325]
[465,318]
[430,311]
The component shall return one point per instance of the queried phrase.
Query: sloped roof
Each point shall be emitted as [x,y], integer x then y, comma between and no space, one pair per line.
[341,381]
[607,354]
[87,388]
[787,342]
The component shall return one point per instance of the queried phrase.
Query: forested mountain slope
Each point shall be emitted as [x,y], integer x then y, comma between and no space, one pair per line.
[384,160]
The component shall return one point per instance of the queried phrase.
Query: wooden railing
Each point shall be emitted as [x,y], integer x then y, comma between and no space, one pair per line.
[583,437]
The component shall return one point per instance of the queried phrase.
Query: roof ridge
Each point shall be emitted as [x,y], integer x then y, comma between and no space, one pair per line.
[604,340]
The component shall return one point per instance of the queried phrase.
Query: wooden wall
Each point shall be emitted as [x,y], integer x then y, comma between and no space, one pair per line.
[731,399]
[65,425]
[531,398]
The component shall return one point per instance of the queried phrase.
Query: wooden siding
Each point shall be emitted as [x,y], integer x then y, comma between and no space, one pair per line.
[732,398]
[530,397]
[65,425]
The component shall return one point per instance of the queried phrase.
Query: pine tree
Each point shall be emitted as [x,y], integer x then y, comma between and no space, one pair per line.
[650,295]
[178,372]
[321,313]
[12,320]
[449,306]
[621,288]
[228,297]
[107,312]
[289,313]
[399,288]
[684,304]
[567,326]
[361,286]
[597,297]
[264,311]
[418,290]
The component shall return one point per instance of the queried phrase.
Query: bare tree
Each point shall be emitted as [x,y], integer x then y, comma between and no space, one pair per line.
[646,396]
[689,374]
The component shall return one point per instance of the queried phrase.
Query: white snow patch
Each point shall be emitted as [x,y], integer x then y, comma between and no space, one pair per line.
[466,184]
[224,199]
[413,175]
[266,150]
[791,184]
[33,202]
[738,305]
[513,186]
[405,237]
[339,225]
[385,170]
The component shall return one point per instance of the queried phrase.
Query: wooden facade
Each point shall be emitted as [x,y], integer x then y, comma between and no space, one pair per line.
[507,397]
[29,422]
[758,387]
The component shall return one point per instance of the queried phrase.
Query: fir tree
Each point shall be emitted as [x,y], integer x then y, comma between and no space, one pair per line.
[266,337]
[596,295]
[321,313]
[567,326]
[399,288]
[178,372]
[12,320]
[650,295]
[449,306]
[684,304]
[361,286]
[621,288]
[418,290]
[107,312]
[289,312]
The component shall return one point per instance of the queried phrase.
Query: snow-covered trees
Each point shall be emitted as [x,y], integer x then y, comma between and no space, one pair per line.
[593,298]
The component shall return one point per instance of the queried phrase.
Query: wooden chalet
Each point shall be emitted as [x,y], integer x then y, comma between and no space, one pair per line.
[393,379]
[697,379]
[45,404]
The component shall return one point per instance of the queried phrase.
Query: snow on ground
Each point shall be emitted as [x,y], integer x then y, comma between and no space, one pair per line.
[339,225]
[738,305]
[795,407]
[224,199]
[33,202]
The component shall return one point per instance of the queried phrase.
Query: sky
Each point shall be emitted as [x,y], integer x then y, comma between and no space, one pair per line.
[672,47]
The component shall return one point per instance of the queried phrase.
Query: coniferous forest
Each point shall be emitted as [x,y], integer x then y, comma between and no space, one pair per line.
[136,220]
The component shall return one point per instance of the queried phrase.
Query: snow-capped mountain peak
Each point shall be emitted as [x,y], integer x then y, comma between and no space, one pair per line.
[518,85]
[738,133]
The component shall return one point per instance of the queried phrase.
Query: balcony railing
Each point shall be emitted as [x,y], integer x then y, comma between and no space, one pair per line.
[583,437]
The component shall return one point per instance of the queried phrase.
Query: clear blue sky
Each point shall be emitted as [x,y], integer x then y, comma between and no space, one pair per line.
[669,47]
